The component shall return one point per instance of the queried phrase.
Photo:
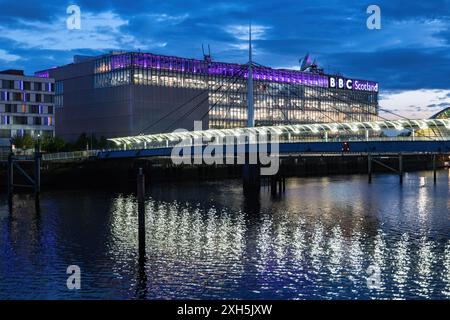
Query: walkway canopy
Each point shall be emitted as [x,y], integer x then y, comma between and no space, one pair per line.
[356,128]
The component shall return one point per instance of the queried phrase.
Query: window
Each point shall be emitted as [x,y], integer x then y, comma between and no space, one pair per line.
[5,133]
[7,84]
[20,120]
[11,108]
[17,96]
[38,86]
[59,101]
[59,87]
[48,98]
[4,96]
[34,109]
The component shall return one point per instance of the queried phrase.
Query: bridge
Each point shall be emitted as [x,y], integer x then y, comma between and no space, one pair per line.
[427,135]
[406,136]
[375,140]
[370,138]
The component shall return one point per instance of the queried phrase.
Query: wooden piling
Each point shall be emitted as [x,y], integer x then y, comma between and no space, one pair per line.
[10,178]
[141,212]
[37,174]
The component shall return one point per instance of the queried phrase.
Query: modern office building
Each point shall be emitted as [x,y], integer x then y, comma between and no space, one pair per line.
[26,105]
[125,94]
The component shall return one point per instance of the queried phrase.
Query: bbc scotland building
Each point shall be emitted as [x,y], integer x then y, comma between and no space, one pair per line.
[132,93]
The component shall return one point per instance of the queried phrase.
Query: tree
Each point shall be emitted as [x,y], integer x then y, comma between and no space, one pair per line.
[24,142]
[53,144]
[103,143]
[81,142]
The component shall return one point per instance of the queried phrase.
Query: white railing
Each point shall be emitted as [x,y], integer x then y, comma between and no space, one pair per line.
[75,155]
[82,155]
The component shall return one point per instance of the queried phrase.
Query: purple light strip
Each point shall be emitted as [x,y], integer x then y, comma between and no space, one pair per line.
[42,74]
[150,61]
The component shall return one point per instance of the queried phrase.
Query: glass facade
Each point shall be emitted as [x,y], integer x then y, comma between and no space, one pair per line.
[280,96]
[443,114]
[26,106]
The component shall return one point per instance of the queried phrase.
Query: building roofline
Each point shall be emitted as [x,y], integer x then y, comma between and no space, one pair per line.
[200,61]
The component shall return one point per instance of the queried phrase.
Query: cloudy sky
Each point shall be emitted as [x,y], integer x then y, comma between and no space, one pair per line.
[409,56]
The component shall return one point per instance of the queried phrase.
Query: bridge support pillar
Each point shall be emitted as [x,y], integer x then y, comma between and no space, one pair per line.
[141,213]
[400,167]
[273,186]
[369,167]
[251,178]
[277,184]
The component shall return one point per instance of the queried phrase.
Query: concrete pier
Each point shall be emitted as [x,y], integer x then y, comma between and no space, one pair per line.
[251,178]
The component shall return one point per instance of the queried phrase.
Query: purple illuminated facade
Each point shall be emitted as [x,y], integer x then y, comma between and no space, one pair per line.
[193,66]
[124,94]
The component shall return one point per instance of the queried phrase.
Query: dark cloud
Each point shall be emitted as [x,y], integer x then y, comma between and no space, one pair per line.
[442,105]
[333,31]
[397,68]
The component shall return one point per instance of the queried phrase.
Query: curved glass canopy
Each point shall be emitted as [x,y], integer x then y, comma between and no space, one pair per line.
[290,132]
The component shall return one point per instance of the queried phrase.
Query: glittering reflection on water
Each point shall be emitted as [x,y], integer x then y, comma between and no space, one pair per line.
[190,251]
[208,241]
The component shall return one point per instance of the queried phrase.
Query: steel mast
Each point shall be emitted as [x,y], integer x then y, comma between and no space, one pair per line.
[250,104]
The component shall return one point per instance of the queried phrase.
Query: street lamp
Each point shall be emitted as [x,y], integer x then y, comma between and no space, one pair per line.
[38,143]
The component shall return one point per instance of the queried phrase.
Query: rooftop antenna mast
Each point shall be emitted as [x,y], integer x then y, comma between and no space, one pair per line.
[250,105]
[207,57]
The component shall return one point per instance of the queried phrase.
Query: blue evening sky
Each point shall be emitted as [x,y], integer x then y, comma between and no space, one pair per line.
[409,56]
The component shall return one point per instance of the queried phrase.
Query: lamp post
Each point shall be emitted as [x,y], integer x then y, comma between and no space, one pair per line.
[37,167]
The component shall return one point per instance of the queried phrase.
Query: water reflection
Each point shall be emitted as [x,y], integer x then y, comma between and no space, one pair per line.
[202,242]
[446,270]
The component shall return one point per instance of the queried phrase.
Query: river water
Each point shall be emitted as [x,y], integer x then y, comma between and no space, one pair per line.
[207,241]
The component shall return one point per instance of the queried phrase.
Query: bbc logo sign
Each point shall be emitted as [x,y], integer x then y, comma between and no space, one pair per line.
[351,84]
[340,83]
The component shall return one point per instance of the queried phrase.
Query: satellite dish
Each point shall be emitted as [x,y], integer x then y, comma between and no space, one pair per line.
[306,63]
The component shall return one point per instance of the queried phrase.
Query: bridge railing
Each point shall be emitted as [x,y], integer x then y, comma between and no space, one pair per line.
[69,156]
[86,154]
